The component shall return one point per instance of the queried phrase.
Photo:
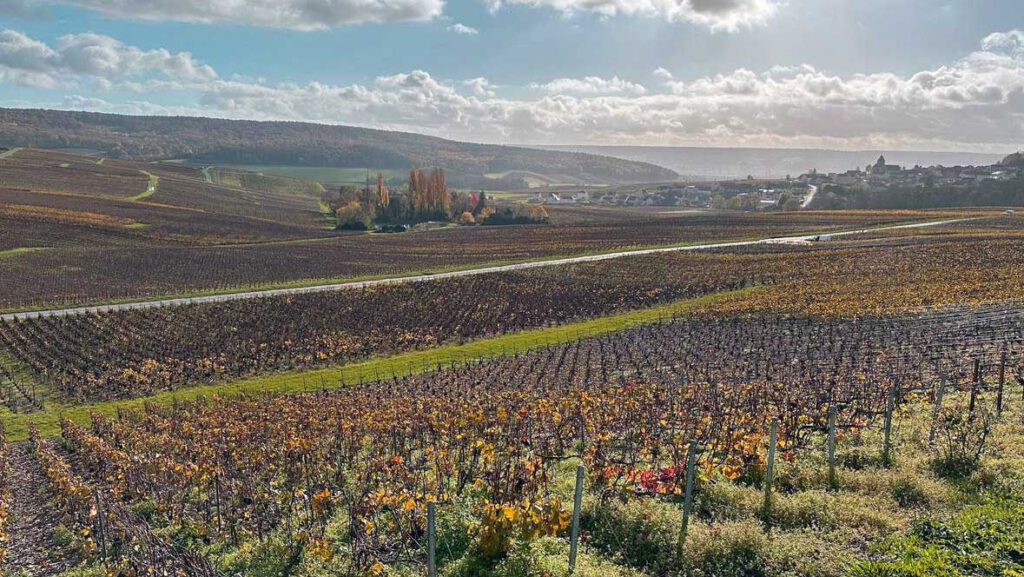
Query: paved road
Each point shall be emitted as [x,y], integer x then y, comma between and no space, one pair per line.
[810,196]
[461,273]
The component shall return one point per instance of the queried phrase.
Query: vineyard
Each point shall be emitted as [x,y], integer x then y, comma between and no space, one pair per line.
[131,353]
[183,250]
[340,482]
[128,353]
[800,408]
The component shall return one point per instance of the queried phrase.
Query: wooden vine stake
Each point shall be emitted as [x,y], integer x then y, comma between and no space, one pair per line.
[769,471]
[1002,383]
[833,477]
[890,405]
[691,465]
[577,504]
[431,540]
[938,407]
[100,525]
[975,384]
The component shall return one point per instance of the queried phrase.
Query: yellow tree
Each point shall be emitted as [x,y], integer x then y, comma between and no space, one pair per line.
[383,194]
[416,190]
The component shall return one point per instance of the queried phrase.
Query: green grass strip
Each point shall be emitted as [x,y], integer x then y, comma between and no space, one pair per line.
[48,420]
[20,250]
[154,180]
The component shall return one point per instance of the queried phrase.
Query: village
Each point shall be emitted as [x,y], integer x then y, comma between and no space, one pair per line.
[809,190]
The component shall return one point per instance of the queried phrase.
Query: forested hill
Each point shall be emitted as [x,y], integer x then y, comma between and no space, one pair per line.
[216,141]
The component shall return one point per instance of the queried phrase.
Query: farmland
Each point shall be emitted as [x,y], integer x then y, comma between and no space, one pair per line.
[326,175]
[170,205]
[341,481]
[196,246]
[121,354]
[832,406]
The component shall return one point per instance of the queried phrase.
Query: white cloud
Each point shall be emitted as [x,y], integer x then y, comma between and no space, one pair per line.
[29,62]
[729,15]
[1011,42]
[662,73]
[480,86]
[975,102]
[590,85]
[460,28]
[291,14]
[23,9]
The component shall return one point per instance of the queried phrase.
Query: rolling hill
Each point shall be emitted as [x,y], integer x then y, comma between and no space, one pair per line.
[243,142]
[710,163]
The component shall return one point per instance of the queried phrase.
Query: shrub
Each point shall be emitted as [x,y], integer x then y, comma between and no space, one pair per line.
[352,216]
[961,437]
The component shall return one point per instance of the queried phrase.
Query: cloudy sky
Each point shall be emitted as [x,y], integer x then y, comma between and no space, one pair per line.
[892,74]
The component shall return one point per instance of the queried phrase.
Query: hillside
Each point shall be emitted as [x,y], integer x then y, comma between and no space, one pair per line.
[242,142]
[1015,159]
[697,163]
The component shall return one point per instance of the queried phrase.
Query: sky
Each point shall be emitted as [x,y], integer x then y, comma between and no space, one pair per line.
[842,74]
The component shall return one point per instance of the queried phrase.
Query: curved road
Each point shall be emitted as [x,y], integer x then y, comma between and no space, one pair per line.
[810,196]
[443,275]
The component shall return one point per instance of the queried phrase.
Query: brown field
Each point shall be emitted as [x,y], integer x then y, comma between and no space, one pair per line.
[113,186]
[85,274]
[57,172]
[131,352]
[163,223]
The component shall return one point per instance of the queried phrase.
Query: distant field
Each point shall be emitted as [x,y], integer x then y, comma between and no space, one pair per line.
[57,199]
[262,181]
[281,333]
[537,179]
[84,274]
[322,174]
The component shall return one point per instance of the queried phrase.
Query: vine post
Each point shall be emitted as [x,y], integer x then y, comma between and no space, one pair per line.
[890,405]
[938,407]
[769,471]
[99,525]
[975,384]
[833,478]
[1002,382]
[431,539]
[691,465]
[577,504]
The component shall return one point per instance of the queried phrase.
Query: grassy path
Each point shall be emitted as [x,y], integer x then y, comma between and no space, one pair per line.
[154,181]
[48,420]
[9,152]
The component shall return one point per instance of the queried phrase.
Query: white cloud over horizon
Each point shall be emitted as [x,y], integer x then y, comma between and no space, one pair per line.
[460,28]
[725,15]
[973,103]
[311,15]
[303,15]
[29,62]
[590,85]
